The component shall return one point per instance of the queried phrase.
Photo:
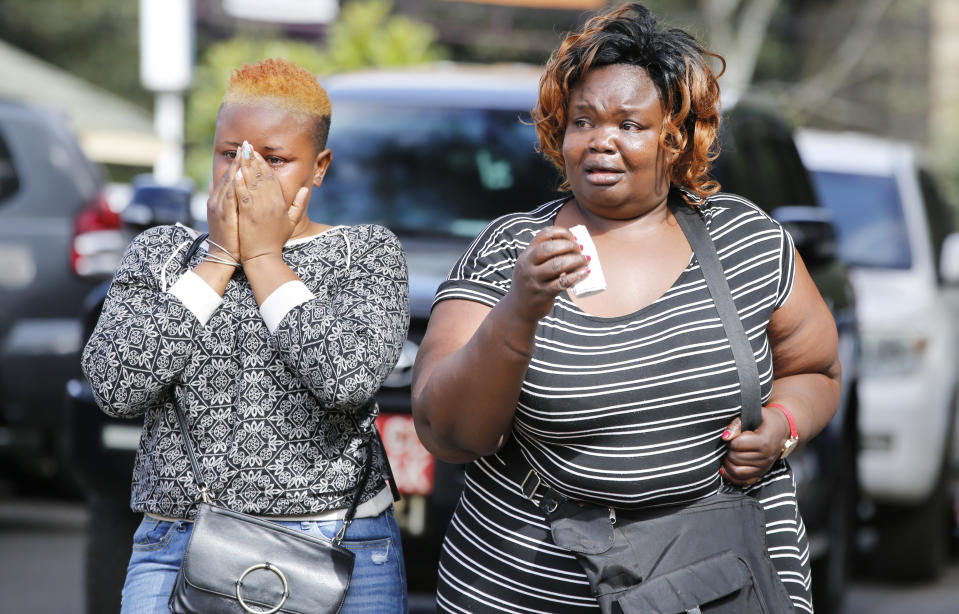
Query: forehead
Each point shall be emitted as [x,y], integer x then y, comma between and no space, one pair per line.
[255,120]
[616,85]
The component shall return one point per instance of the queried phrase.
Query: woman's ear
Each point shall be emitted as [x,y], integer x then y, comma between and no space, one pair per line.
[320,165]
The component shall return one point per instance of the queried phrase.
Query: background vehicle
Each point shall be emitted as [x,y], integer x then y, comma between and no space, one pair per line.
[435,154]
[53,217]
[898,237]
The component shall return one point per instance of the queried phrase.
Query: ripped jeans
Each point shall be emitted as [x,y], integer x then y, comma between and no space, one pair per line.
[379,576]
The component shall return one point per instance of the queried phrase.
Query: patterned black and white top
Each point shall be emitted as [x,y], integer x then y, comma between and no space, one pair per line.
[623,411]
[279,400]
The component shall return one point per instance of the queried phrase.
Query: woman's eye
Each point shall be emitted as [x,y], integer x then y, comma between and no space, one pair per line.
[273,160]
[630,126]
[230,153]
[581,123]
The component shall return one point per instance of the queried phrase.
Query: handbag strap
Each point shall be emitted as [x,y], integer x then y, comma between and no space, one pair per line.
[694,227]
[203,487]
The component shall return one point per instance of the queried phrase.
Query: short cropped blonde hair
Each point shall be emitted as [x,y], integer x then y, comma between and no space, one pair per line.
[286,85]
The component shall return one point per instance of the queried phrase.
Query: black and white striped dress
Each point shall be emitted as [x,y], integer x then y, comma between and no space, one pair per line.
[625,411]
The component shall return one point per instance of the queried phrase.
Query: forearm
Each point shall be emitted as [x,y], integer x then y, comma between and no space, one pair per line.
[464,403]
[267,273]
[132,360]
[812,399]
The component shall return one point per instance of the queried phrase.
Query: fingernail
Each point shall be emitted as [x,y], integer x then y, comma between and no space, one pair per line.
[580,247]
[588,258]
[722,472]
[246,150]
[727,433]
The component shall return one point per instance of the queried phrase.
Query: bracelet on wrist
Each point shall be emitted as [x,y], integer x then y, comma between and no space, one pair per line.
[793,440]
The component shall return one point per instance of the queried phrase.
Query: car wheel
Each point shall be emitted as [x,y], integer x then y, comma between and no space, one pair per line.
[831,572]
[109,543]
[913,541]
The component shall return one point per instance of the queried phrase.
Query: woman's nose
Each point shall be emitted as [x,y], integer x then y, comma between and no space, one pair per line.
[602,140]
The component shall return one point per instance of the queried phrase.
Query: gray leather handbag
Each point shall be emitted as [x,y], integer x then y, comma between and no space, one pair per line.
[706,557]
[237,563]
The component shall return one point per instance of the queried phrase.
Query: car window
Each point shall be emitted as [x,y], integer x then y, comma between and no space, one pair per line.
[869,219]
[421,170]
[9,180]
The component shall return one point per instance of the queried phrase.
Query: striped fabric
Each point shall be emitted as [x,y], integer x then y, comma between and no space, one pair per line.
[625,411]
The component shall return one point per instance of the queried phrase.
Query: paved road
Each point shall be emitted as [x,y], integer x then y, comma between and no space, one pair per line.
[42,542]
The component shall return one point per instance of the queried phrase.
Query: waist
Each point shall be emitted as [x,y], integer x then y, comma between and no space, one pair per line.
[628,487]
[380,502]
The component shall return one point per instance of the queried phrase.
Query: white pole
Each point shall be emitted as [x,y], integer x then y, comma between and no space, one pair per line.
[169,123]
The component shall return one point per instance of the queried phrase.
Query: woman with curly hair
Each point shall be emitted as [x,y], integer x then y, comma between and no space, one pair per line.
[626,397]
[271,336]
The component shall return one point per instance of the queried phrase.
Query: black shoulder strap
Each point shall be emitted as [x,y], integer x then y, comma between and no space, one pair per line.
[694,227]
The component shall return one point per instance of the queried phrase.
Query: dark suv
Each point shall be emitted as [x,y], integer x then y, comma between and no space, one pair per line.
[434,154]
[53,218]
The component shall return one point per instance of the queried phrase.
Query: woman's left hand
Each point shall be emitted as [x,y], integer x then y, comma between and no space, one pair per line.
[752,453]
[266,221]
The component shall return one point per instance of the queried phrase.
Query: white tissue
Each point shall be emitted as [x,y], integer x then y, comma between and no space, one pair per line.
[595,281]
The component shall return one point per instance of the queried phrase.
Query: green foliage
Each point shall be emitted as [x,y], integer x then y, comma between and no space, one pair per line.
[366,35]
[97,40]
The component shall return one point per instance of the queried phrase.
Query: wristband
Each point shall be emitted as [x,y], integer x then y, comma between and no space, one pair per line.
[790,444]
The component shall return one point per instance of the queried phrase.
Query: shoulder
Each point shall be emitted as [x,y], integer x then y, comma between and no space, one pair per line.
[519,227]
[160,242]
[731,213]
[362,234]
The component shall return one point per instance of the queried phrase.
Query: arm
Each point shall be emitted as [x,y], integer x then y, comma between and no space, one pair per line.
[144,336]
[807,376]
[343,349]
[473,359]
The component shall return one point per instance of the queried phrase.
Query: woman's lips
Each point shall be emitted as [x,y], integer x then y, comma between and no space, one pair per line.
[602,176]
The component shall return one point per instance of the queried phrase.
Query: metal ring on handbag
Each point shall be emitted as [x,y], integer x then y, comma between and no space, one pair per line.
[268,567]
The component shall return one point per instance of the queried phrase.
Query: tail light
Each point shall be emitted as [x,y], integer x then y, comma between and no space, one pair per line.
[98,239]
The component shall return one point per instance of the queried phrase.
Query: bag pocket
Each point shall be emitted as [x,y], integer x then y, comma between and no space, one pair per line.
[720,584]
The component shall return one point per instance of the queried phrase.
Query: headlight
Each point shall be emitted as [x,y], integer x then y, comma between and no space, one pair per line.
[892,355]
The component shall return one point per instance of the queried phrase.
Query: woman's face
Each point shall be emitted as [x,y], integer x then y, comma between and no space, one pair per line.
[283,138]
[614,164]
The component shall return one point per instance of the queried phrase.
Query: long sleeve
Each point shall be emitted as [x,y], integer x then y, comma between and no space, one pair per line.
[145,335]
[342,347]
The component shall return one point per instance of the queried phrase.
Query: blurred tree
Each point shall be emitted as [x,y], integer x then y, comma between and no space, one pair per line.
[98,40]
[367,34]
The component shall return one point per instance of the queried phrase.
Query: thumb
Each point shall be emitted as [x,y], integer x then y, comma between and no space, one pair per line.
[733,429]
[298,207]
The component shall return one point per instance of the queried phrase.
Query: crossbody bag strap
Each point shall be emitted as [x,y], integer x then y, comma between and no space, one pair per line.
[202,485]
[694,227]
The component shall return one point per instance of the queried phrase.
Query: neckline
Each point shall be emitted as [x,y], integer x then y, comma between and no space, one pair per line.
[674,201]
[307,239]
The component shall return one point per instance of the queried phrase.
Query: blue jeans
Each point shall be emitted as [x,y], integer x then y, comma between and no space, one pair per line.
[379,576]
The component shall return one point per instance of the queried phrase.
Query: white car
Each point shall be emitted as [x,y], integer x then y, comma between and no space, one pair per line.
[897,236]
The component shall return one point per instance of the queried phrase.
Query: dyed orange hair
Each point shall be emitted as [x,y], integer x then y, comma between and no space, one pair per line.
[676,63]
[285,85]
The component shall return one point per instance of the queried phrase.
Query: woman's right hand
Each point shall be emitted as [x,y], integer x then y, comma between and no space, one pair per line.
[553,262]
[222,213]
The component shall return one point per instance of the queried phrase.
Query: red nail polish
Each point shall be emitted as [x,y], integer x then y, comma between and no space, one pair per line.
[727,433]
[722,472]
[588,258]
[580,247]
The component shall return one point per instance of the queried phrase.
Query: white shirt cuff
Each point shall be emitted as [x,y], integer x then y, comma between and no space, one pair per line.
[197,296]
[282,300]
